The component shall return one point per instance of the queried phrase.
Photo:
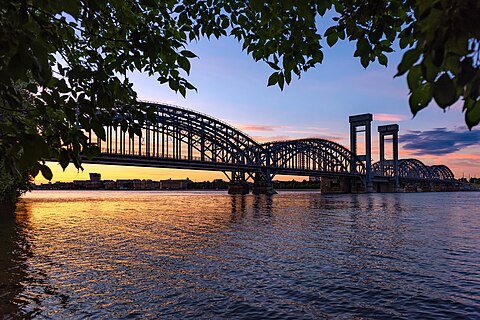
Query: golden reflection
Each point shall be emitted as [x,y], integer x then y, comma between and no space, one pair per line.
[15,249]
[80,253]
[238,207]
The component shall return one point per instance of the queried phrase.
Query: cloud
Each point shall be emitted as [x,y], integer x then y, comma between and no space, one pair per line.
[389,117]
[439,141]
[257,127]
[262,139]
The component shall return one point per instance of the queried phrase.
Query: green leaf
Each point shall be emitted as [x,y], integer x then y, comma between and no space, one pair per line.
[188,54]
[472,115]
[273,79]
[173,84]
[288,77]
[179,9]
[32,88]
[35,169]
[429,70]
[98,128]
[323,6]
[256,4]
[46,172]
[281,81]
[273,65]
[365,61]
[404,42]
[420,98]
[318,56]
[330,30]
[444,91]
[184,64]
[332,39]
[383,60]
[183,91]
[363,47]
[64,159]
[409,58]
[95,151]
[467,71]
[137,131]
[414,77]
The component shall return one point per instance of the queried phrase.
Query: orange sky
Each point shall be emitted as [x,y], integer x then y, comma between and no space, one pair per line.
[110,172]
[465,163]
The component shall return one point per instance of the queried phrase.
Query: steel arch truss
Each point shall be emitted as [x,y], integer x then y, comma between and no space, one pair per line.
[388,170]
[414,169]
[441,172]
[182,134]
[316,156]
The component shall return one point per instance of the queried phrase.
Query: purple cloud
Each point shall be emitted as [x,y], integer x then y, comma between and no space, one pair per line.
[439,141]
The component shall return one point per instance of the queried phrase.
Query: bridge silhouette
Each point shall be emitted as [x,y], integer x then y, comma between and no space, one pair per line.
[187,139]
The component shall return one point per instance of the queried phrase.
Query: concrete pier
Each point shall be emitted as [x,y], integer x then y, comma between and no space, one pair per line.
[263,187]
[238,188]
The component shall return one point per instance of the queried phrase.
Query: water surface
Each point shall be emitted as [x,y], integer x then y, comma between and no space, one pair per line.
[294,255]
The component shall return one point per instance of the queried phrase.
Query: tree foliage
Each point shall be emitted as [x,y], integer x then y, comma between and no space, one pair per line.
[64,65]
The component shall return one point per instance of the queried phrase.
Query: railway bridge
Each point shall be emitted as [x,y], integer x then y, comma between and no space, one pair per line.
[186,139]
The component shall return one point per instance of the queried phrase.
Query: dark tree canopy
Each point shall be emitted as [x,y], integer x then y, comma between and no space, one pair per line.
[64,65]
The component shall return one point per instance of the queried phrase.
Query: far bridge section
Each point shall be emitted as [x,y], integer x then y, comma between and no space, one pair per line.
[413,175]
[187,139]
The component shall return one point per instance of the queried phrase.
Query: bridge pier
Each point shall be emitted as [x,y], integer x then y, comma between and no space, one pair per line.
[385,186]
[336,185]
[237,187]
[263,187]
[386,131]
[238,184]
[362,124]
[263,184]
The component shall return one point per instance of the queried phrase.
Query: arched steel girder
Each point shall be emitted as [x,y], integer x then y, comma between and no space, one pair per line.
[413,169]
[387,168]
[205,133]
[309,154]
[204,138]
[181,131]
[441,172]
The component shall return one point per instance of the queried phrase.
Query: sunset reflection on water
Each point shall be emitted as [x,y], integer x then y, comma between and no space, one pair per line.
[208,254]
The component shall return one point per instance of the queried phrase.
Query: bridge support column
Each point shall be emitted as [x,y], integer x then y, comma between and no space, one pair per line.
[238,184]
[385,186]
[385,131]
[358,124]
[263,184]
[331,185]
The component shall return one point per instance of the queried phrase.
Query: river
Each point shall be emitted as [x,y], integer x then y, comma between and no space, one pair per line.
[209,255]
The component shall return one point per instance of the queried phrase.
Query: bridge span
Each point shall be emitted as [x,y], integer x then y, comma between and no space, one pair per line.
[185,139]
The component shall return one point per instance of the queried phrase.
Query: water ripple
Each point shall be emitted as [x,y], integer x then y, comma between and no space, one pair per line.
[207,255]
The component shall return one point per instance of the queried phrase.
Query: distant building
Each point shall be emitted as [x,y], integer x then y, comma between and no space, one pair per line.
[87,184]
[124,184]
[152,185]
[174,184]
[109,184]
[56,186]
[314,179]
[97,177]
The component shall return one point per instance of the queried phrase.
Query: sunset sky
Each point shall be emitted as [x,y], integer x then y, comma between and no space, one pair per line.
[233,87]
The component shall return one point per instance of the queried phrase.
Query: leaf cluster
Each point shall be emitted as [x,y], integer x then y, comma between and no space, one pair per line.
[442,62]
[64,69]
